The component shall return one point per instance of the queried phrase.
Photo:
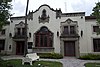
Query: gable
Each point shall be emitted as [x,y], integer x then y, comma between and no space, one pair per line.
[69,21]
[21,24]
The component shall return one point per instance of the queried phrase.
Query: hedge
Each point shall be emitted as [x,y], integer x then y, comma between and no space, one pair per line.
[90,57]
[50,55]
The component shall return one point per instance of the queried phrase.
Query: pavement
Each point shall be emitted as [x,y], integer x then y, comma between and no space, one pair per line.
[66,61]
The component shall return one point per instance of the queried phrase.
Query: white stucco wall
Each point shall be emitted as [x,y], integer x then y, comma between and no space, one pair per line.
[10,39]
[6,38]
[53,26]
[34,25]
[85,41]
[81,27]
[90,35]
[12,25]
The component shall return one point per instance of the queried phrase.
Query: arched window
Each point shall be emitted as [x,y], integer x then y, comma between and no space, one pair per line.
[44,38]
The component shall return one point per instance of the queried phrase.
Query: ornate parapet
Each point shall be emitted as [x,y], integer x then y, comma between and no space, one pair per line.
[44,18]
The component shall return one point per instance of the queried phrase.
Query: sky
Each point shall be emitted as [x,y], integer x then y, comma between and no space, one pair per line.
[67,6]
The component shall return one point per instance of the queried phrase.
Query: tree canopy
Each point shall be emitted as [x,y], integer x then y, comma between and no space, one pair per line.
[5,6]
[96,12]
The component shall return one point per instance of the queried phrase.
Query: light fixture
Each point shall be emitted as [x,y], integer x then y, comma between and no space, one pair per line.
[81,33]
[10,35]
[29,34]
[57,33]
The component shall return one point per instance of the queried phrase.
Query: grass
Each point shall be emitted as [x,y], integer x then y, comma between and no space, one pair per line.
[17,63]
[92,65]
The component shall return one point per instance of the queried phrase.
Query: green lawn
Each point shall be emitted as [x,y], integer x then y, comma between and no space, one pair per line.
[92,65]
[17,63]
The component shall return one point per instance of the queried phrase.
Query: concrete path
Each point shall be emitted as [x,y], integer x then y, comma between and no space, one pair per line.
[67,61]
[72,62]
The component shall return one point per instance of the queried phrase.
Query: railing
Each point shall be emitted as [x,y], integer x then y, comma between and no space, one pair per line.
[43,49]
[19,36]
[69,32]
[64,35]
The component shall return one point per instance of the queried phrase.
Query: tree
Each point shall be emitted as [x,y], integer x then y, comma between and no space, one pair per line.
[96,12]
[5,6]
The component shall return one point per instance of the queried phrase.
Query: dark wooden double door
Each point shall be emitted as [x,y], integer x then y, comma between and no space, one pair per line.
[20,47]
[69,48]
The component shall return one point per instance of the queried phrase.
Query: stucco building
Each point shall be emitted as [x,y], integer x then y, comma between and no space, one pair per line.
[49,30]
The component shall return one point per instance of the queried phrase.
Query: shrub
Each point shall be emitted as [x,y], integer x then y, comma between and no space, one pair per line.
[90,57]
[50,55]
[1,62]
[3,54]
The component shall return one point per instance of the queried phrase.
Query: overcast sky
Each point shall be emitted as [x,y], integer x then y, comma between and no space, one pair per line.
[67,6]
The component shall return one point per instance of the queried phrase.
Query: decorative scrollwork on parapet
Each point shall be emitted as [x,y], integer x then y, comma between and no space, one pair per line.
[44,18]
[58,13]
[30,15]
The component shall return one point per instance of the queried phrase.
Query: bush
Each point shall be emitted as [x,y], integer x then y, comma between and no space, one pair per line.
[1,62]
[90,57]
[3,54]
[50,55]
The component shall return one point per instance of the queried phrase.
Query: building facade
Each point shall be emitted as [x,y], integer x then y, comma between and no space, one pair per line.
[49,30]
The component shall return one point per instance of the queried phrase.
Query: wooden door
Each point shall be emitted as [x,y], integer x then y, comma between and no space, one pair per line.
[69,48]
[19,47]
